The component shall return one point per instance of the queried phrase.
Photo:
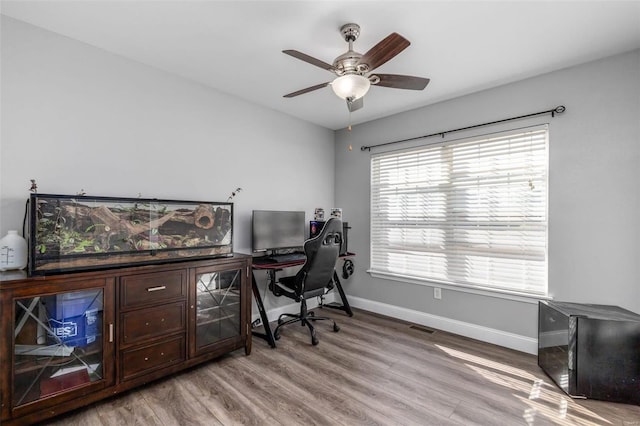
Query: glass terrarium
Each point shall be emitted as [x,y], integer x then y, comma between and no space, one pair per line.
[83,232]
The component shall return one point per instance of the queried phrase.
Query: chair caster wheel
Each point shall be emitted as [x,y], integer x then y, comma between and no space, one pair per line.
[336,328]
[311,314]
[314,341]
[276,336]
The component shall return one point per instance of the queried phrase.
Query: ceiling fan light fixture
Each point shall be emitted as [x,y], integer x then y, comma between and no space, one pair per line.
[352,86]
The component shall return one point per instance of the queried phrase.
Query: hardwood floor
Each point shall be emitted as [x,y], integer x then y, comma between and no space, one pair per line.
[375,371]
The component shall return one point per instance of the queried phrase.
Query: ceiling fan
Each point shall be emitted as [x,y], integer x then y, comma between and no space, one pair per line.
[354,70]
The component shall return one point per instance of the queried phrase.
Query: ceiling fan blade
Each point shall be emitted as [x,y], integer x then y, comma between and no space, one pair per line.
[355,104]
[388,48]
[310,59]
[396,81]
[307,90]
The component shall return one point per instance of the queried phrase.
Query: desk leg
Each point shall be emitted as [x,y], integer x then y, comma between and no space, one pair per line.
[268,334]
[345,303]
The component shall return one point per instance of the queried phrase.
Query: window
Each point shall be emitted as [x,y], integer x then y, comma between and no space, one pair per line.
[469,213]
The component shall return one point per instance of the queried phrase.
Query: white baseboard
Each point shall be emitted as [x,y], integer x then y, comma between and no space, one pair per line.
[485,334]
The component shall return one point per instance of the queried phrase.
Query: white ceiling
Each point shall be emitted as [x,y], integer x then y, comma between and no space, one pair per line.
[235,46]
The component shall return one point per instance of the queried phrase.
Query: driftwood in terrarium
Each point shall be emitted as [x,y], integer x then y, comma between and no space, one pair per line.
[75,211]
[184,216]
[204,216]
[79,215]
[174,229]
[115,223]
[178,229]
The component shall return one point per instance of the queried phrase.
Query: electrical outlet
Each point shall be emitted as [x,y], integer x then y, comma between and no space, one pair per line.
[437,293]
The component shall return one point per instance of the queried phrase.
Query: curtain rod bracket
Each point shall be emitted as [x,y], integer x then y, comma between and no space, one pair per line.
[557,110]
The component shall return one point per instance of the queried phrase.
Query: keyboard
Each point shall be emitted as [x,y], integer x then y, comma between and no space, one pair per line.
[289,257]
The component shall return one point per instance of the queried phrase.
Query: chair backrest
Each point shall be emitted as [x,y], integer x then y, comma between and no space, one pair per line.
[322,253]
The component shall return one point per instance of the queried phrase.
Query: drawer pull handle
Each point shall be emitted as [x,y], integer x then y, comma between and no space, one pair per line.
[111,332]
[160,287]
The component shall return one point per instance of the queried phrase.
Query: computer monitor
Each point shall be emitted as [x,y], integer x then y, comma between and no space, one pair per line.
[274,230]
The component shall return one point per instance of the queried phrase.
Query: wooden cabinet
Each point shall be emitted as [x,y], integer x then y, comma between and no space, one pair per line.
[70,340]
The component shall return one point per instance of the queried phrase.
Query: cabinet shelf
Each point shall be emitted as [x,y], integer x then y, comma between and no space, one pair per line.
[24,365]
[218,307]
[216,320]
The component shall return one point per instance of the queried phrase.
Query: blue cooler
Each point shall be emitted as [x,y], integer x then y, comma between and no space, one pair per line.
[75,318]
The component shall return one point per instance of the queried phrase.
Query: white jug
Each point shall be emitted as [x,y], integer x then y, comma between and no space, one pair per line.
[13,252]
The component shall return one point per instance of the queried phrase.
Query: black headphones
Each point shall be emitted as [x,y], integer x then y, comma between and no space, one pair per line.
[347,268]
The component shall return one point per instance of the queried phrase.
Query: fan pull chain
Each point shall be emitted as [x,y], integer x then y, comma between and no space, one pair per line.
[349,128]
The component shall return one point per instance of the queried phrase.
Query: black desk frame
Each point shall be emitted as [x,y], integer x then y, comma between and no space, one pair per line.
[271,269]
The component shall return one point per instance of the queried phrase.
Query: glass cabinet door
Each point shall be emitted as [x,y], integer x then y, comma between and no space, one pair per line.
[218,307]
[58,344]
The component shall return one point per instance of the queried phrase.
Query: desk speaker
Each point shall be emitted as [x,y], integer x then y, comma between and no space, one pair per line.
[315,227]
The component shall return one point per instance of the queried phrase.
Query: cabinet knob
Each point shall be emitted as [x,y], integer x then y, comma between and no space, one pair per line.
[146,359]
[146,324]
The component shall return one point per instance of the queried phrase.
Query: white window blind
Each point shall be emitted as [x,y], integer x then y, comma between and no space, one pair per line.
[471,213]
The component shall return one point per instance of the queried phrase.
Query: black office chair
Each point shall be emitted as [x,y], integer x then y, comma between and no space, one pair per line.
[315,276]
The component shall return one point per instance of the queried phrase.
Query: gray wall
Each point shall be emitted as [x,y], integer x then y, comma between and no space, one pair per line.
[594,219]
[75,117]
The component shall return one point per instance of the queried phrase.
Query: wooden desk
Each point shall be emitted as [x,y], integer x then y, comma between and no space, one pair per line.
[271,269]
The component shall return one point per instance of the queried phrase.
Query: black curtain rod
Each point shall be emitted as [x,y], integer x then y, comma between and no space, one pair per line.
[557,110]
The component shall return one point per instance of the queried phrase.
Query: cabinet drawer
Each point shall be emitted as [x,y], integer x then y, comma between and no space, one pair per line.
[152,322]
[136,362]
[146,289]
